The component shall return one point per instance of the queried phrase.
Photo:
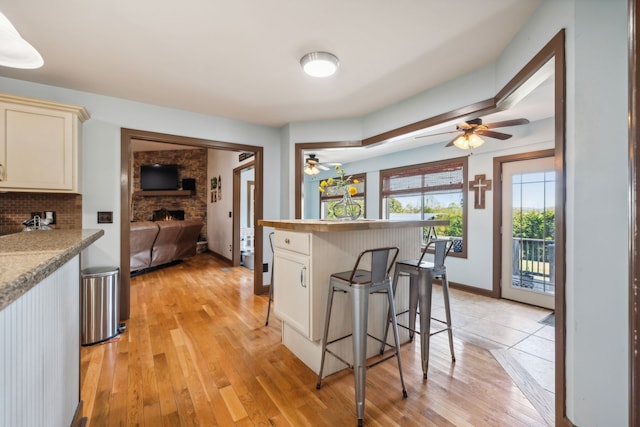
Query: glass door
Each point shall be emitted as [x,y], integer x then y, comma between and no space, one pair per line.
[528,237]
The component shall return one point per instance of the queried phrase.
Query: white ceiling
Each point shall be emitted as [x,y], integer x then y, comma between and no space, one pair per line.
[240,59]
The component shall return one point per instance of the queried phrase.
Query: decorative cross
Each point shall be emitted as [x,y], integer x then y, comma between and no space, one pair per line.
[479,186]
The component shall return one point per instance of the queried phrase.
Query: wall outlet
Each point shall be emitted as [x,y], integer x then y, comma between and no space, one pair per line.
[265,267]
[50,216]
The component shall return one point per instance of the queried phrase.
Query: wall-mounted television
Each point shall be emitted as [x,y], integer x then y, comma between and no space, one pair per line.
[159,177]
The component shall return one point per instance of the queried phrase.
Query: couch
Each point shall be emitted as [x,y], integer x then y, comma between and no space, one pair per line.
[154,243]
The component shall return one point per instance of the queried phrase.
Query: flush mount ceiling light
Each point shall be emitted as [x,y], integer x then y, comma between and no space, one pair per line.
[15,51]
[319,64]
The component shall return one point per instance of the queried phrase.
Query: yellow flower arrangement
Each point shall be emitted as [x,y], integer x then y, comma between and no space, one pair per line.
[341,184]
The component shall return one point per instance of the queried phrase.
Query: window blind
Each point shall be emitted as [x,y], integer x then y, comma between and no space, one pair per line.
[431,178]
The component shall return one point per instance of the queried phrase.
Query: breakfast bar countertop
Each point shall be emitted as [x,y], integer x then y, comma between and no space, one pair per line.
[27,258]
[344,225]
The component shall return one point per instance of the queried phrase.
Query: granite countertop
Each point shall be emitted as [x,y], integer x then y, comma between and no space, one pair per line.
[27,258]
[323,225]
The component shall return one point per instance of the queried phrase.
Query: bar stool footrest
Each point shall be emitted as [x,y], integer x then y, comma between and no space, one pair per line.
[349,365]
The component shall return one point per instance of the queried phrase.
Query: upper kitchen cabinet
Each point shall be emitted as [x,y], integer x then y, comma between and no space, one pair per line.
[39,145]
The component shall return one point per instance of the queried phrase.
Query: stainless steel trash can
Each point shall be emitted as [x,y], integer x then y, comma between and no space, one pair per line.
[100,304]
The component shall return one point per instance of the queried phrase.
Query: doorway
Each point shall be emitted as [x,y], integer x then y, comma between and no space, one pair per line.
[528,231]
[244,216]
[126,138]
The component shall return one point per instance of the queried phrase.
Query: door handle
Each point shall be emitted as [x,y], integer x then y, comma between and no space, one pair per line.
[302,271]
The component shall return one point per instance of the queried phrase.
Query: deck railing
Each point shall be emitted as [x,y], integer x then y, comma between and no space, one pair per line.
[533,264]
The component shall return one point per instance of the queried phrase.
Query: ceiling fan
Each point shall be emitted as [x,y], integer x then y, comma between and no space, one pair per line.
[469,131]
[312,165]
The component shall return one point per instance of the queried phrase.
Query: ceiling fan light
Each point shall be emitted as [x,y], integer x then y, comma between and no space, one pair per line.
[15,51]
[475,141]
[468,141]
[461,142]
[312,170]
[319,64]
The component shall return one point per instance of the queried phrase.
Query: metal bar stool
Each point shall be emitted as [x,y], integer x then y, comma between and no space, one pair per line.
[421,273]
[360,284]
[271,285]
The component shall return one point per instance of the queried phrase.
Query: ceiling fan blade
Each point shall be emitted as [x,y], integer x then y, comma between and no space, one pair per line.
[321,166]
[482,129]
[436,134]
[505,123]
[493,134]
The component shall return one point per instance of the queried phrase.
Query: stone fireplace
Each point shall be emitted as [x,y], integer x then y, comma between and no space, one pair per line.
[192,165]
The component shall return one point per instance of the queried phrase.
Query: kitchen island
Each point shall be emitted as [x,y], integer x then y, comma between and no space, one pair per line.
[306,253]
[40,326]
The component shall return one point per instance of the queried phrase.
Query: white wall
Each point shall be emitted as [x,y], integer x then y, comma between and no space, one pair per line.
[220,164]
[101,159]
[219,222]
[597,202]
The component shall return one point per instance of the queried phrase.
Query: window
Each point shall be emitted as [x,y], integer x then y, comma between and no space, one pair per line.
[433,190]
[331,196]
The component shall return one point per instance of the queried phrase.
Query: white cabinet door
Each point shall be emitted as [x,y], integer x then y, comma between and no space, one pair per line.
[37,149]
[39,145]
[291,291]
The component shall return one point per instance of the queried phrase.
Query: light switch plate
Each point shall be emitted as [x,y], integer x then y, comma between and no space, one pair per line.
[105,217]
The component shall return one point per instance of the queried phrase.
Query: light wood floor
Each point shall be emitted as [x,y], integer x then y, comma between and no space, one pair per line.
[196,352]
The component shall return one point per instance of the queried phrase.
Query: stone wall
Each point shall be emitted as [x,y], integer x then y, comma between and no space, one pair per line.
[192,163]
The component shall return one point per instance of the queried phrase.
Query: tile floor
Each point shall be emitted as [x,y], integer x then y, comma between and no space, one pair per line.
[511,328]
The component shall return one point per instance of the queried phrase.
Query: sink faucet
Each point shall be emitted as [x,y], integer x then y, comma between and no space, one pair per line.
[36,223]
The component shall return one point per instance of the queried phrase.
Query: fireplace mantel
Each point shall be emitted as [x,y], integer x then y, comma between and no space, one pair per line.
[163,193]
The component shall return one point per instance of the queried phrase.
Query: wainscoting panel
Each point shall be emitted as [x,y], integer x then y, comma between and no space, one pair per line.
[40,352]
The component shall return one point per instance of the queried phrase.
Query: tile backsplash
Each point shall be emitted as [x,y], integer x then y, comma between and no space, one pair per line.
[17,207]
